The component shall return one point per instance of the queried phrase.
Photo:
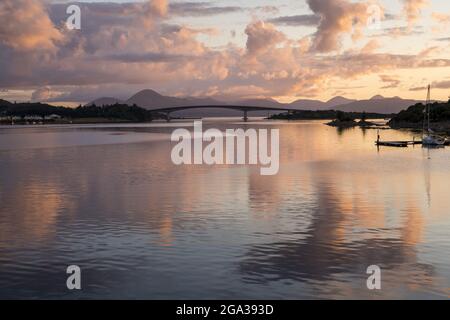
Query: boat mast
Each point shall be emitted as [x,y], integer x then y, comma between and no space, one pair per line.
[428,105]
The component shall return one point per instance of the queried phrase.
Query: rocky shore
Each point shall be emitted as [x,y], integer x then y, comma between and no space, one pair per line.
[413,118]
[438,127]
[350,123]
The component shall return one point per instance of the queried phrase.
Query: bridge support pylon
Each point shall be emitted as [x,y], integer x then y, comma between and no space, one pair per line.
[245,116]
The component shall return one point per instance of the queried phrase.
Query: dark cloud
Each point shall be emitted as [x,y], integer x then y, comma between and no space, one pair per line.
[436,85]
[299,20]
[268,9]
[417,88]
[200,9]
[391,82]
[144,57]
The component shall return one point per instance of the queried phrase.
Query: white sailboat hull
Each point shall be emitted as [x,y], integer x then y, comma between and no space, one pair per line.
[433,141]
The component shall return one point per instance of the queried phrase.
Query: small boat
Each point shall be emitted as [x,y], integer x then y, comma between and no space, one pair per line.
[433,140]
[429,139]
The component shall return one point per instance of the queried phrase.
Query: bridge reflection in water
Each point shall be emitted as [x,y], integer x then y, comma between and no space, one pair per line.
[245,109]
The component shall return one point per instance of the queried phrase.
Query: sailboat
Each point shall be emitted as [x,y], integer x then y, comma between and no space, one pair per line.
[428,137]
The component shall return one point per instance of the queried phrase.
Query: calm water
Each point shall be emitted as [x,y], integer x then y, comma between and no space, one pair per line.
[109,199]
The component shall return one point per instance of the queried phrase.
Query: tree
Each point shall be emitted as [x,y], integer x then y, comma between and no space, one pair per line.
[342,116]
[364,116]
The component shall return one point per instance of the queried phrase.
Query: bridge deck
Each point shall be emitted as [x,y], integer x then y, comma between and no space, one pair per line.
[233,107]
[244,109]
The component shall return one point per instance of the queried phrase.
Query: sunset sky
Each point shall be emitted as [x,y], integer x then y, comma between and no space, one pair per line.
[229,49]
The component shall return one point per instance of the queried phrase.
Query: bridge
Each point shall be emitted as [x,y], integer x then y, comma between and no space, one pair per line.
[244,109]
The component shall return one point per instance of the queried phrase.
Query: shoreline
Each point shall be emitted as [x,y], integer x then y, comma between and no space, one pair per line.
[441,128]
[85,121]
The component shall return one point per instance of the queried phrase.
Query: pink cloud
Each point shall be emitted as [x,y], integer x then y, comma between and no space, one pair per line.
[126,47]
[25,25]
[412,9]
[337,17]
[262,36]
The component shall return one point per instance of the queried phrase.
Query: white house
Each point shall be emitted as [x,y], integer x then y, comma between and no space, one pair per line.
[52,117]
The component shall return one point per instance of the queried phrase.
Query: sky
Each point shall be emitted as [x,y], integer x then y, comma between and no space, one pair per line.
[284,50]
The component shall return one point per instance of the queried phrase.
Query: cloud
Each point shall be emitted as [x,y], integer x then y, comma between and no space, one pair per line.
[86,93]
[41,94]
[200,9]
[128,46]
[396,32]
[441,85]
[268,9]
[391,82]
[427,52]
[370,46]
[436,85]
[119,43]
[144,57]
[337,17]
[413,8]
[245,92]
[299,20]
[158,7]
[261,36]
[441,18]
[25,25]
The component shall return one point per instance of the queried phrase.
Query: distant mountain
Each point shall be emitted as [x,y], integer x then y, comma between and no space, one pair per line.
[306,104]
[378,104]
[266,103]
[150,99]
[105,101]
[337,101]
[192,101]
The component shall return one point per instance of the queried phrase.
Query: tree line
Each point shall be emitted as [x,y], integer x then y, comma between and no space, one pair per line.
[115,111]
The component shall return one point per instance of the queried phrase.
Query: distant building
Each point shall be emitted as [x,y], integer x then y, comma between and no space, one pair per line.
[32,117]
[52,117]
